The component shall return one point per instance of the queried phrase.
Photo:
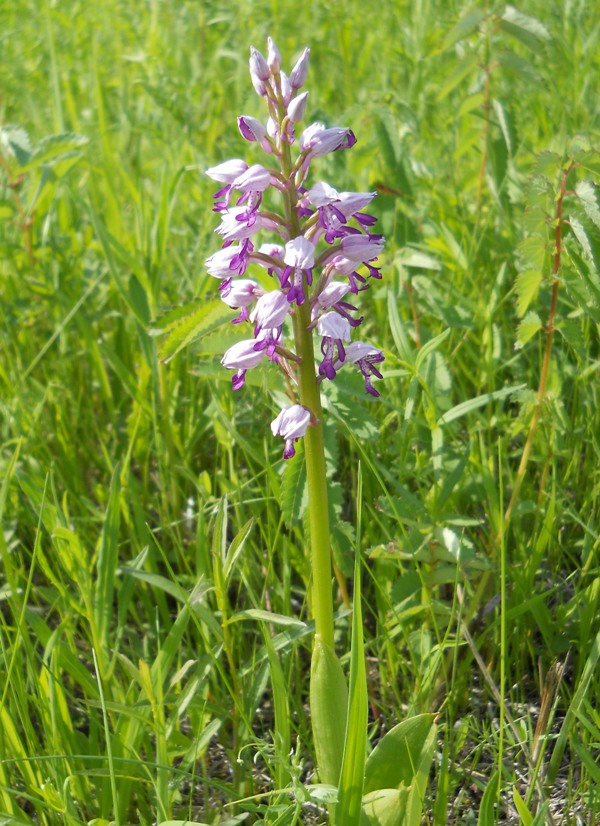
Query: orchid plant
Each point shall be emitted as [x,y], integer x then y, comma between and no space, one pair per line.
[322,255]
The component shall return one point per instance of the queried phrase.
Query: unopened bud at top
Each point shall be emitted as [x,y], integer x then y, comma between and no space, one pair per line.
[300,71]
[273,57]
[259,71]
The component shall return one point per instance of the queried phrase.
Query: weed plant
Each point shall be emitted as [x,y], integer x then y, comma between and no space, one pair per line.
[154,632]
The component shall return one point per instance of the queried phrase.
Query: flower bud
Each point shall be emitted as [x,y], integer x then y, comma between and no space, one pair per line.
[273,57]
[300,71]
[259,71]
[297,107]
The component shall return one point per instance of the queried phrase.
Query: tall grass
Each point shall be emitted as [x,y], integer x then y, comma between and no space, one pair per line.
[148,522]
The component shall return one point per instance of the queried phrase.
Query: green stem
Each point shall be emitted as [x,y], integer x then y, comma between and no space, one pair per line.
[314,446]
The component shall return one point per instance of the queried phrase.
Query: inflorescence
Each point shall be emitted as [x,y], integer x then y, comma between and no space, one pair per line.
[323,240]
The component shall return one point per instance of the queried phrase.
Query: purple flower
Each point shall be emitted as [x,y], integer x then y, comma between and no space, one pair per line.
[361,248]
[271,311]
[292,424]
[326,215]
[227,172]
[241,357]
[366,357]
[319,140]
[252,130]
[238,223]
[240,294]
[335,330]
[299,258]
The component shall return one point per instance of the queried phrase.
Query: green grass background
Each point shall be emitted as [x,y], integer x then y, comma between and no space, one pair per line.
[134,688]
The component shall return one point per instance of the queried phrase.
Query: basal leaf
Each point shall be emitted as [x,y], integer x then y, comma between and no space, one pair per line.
[394,760]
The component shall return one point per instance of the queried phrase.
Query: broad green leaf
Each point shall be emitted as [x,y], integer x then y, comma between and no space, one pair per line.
[527,30]
[186,324]
[525,21]
[236,547]
[479,401]
[395,759]
[533,251]
[415,258]
[523,811]
[181,823]
[506,125]
[385,807]
[329,711]
[294,494]
[267,616]
[487,813]
[429,347]
[527,286]
[465,26]
[107,561]
[528,327]
[403,346]
[580,233]
[14,141]
[155,581]
[470,63]
[587,193]
[348,810]
[52,148]
[541,818]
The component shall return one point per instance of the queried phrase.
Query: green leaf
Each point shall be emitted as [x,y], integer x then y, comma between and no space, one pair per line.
[429,347]
[528,327]
[507,126]
[478,401]
[16,144]
[465,26]
[267,616]
[294,493]
[108,556]
[385,807]
[54,147]
[527,30]
[580,233]
[527,286]
[415,258]
[348,810]
[395,759]
[329,711]
[185,324]
[587,193]
[523,811]
[487,815]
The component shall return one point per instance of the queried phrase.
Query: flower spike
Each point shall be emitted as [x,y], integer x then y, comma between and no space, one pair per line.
[323,236]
